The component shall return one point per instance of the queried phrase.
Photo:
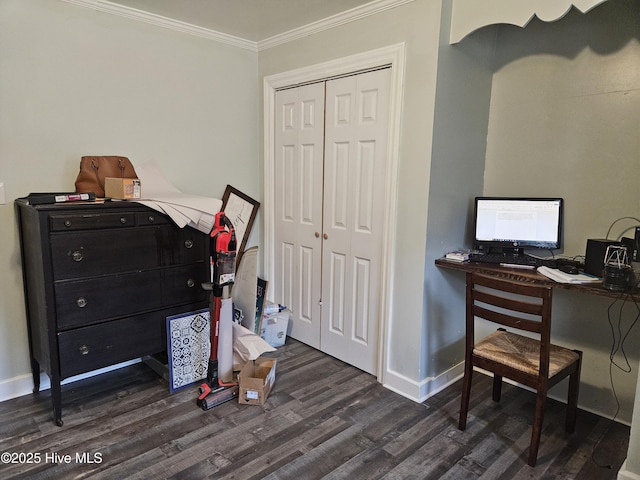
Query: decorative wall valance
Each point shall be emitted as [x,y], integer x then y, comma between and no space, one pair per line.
[469,15]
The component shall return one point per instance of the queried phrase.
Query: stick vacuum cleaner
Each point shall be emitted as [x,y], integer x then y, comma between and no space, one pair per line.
[213,391]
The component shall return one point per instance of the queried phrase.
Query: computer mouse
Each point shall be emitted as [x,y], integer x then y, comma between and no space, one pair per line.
[570,269]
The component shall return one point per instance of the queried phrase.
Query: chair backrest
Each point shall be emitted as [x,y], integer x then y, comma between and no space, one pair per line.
[515,305]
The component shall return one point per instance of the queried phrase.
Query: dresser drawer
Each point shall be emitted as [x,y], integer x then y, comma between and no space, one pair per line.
[88,301]
[89,348]
[90,220]
[184,284]
[90,253]
[151,218]
[184,246]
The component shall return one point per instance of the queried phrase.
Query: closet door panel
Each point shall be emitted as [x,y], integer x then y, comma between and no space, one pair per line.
[298,207]
[355,153]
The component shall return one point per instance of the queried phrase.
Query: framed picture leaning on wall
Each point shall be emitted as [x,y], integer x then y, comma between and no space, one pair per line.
[241,209]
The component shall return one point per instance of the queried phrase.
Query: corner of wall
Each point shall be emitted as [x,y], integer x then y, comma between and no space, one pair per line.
[461,120]
[424,389]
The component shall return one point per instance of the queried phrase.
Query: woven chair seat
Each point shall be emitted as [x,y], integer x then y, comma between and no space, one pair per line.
[522,353]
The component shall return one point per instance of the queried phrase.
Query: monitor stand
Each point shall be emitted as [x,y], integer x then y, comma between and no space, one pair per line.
[514,252]
[507,251]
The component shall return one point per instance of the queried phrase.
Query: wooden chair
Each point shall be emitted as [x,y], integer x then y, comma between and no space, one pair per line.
[530,360]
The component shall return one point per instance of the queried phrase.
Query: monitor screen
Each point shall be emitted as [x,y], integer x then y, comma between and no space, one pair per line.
[518,223]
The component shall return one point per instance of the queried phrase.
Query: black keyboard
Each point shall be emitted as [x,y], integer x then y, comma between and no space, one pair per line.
[516,260]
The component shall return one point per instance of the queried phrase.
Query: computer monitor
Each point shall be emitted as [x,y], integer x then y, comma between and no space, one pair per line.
[513,224]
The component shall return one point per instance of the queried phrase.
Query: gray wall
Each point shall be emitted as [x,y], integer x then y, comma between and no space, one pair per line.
[561,108]
[457,176]
[564,120]
[548,110]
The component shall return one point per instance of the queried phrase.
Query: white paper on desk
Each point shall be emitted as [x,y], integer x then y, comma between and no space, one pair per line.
[561,277]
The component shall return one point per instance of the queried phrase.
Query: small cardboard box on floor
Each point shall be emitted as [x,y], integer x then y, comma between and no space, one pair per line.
[256,379]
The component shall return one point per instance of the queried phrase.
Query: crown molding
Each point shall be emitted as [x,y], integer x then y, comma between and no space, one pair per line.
[160,21]
[357,13]
[371,8]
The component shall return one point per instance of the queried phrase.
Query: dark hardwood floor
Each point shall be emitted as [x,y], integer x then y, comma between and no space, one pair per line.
[323,419]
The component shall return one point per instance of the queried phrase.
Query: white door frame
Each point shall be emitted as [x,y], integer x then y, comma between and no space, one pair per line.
[394,56]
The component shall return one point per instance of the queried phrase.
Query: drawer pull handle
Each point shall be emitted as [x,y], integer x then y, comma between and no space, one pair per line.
[188,243]
[123,220]
[152,219]
[84,350]
[81,302]
[67,223]
[77,256]
[191,283]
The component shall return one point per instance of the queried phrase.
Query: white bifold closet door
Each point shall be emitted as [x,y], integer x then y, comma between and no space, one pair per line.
[331,150]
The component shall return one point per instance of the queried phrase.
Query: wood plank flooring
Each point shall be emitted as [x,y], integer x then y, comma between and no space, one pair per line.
[323,419]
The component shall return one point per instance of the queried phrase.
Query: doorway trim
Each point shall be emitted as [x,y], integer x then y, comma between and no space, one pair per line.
[393,56]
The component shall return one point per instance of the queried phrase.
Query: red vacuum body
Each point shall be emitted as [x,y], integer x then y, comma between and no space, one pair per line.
[223,258]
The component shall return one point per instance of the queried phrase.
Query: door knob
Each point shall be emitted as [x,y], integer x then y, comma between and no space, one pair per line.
[325,236]
[317,234]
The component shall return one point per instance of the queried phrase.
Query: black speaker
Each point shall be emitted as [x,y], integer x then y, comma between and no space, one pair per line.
[594,257]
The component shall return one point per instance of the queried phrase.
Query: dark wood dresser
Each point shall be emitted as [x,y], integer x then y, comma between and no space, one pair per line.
[100,280]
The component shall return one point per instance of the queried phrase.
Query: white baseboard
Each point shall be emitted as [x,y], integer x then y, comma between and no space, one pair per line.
[17,387]
[422,390]
[23,384]
[624,474]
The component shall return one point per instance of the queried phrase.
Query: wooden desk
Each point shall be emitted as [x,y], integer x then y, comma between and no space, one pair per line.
[531,276]
[524,275]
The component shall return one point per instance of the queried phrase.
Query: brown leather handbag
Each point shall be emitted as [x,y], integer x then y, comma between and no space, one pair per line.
[93,171]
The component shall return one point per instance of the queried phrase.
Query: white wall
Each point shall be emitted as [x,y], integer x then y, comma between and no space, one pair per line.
[77,82]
